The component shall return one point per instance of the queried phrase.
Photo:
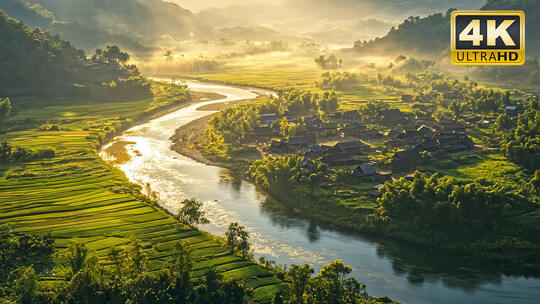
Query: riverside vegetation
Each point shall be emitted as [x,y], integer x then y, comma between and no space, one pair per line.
[74,230]
[484,203]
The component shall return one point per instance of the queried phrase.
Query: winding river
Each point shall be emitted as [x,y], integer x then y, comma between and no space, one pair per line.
[404,273]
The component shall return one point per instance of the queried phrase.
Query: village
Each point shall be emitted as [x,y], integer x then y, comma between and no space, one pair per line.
[390,145]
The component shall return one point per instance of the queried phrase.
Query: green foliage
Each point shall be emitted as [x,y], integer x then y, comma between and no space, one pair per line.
[443,203]
[17,252]
[5,109]
[521,143]
[238,239]
[299,277]
[126,280]
[229,128]
[276,174]
[328,63]
[190,213]
[111,54]
[25,285]
[332,285]
[336,81]
[19,154]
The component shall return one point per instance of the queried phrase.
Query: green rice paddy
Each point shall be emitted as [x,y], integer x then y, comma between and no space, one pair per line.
[77,197]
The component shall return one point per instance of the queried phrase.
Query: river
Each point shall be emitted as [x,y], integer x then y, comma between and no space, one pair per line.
[405,273]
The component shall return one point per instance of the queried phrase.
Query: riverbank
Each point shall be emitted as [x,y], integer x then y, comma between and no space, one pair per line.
[77,197]
[118,150]
[340,215]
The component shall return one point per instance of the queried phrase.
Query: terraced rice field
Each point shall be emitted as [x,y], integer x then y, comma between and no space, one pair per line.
[76,197]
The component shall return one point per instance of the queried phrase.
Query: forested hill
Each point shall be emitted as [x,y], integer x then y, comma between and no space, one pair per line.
[86,37]
[132,24]
[34,62]
[430,36]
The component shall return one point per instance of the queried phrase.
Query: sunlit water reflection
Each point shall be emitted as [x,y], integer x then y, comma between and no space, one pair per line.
[404,273]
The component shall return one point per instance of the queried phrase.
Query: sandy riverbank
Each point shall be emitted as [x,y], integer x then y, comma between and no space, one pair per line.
[117,153]
[184,140]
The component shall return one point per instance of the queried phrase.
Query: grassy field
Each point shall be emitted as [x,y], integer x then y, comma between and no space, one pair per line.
[76,197]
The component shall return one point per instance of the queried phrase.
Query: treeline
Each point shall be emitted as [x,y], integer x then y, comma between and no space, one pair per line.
[36,62]
[252,48]
[123,277]
[328,63]
[336,81]
[477,217]
[519,135]
[20,154]
[445,211]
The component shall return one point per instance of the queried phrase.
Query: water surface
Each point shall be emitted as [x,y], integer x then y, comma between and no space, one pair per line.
[405,273]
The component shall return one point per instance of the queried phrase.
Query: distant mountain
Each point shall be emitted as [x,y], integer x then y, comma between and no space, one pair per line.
[430,36]
[132,24]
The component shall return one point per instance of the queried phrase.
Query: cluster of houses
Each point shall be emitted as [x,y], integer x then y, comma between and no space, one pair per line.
[425,139]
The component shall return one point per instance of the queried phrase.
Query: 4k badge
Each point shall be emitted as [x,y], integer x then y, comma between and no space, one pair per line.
[487,37]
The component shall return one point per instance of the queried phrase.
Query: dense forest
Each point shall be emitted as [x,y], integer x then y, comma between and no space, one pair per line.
[36,62]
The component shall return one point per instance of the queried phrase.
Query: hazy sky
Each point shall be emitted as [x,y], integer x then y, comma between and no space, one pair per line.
[338,21]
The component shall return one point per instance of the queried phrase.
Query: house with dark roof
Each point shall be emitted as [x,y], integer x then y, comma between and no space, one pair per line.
[260,132]
[449,124]
[278,146]
[351,116]
[351,129]
[513,110]
[430,145]
[328,129]
[364,170]
[383,177]
[393,134]
[371,133]
[338,158]
[351,147]
[268,118]
[404,159]
[392,116]
[425,131]
[314,149]
[297,143]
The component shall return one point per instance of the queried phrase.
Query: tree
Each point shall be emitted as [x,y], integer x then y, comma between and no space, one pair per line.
[284,127]
[136,259]
[182,265]
[238,239]
[278,298]
[113,54]
[191,213]
[299,277]
[314,182]
[457,108]
[5,109]
[5,152]
[7,245]
[74,257]
[535,182]
[25,284]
